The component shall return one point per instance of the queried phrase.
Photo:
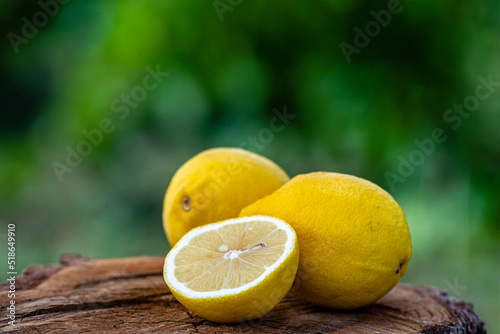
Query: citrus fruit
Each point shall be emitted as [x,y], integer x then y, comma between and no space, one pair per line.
[235,270]
[354,240]
[215,185]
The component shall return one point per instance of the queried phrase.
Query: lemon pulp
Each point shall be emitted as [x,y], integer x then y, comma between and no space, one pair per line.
[229,257]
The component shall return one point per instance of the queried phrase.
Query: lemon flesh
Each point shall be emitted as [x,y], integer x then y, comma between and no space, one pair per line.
[235,270]
[215,185]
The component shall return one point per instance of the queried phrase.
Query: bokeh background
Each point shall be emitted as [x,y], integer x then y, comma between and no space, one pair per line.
[230,63]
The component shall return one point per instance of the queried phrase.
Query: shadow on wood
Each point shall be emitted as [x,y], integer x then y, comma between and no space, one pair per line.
[129,295]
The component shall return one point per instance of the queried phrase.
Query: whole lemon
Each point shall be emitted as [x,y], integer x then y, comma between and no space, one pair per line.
[353,237]
[215,185]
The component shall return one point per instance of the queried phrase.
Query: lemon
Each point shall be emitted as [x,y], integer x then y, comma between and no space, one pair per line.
[235,270]
[354,240]
[215,185]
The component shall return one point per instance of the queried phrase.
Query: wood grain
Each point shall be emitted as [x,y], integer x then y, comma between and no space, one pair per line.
[83,295]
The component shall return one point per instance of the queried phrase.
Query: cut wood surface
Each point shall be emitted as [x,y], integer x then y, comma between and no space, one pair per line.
[128,295]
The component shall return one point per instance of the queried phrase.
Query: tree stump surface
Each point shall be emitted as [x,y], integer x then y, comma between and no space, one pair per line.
[128,295]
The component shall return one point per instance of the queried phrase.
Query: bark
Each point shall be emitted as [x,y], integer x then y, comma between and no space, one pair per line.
[122,295]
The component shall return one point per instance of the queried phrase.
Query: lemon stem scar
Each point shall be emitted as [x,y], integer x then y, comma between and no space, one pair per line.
[399,268]
[186,204]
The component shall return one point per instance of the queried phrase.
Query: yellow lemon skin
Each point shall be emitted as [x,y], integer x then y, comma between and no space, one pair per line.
[215,185]
[354,240]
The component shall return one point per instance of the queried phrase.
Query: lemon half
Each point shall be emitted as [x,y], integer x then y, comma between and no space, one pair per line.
[235,270]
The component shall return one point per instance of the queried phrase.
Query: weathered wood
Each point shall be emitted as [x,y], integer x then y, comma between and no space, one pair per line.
[83,295]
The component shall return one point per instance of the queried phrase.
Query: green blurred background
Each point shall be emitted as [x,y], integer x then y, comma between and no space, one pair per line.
[230,64]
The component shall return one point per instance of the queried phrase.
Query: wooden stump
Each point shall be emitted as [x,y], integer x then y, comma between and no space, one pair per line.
[83,295]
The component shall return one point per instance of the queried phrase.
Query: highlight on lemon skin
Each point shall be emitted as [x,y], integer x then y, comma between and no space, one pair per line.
[215,185]
[233,271]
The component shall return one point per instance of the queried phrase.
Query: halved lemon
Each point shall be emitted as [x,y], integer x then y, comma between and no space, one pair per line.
[235,270]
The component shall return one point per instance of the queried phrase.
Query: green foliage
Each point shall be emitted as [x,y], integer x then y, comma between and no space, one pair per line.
[225,78]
